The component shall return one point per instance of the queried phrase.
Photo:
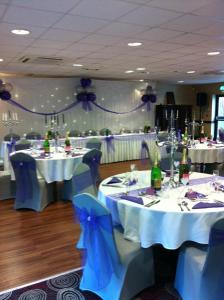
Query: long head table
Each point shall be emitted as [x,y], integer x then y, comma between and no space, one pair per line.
[164,222]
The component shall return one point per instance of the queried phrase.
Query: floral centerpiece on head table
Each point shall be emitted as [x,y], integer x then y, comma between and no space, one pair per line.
[67,142]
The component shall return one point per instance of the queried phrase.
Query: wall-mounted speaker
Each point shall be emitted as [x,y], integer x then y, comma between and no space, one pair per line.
[202,99]
[170,99]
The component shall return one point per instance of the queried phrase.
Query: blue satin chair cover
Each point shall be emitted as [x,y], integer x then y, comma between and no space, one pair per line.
[114,268]
[200,270]
[22,146]
[92,159]
[94,143]
[11,136]
[144,152]
[81,182]
[30,192]
[33,135]
[11,146]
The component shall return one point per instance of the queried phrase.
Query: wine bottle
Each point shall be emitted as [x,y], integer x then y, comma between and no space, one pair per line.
[156,175]
[46,144]
[185,136]
[184,168]
[202,133]
[67,142]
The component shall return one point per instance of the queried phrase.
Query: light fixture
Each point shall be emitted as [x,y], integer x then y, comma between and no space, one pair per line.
[1,59]
[129,71]
[141,80]
[134,44]
[180,81]
[20,31]
[222,71]
[190,72]
[77,65]
[213,53]
[140,69]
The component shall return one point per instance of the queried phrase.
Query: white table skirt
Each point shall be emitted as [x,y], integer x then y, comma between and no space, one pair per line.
[57,168]
[205,155]
[127,147]
[162,223]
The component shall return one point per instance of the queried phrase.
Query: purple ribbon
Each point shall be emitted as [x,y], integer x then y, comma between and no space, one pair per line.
[11,146]
[110,143]
[97,240]
[144,152]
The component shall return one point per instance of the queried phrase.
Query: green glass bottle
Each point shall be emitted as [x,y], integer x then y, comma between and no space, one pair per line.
[184,168]
[185,136]
[46,145]
[156,175]
[67,142]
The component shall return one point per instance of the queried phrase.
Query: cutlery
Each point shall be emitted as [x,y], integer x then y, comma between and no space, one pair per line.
[180,205]
[184,203]
[152,203]
[112,185]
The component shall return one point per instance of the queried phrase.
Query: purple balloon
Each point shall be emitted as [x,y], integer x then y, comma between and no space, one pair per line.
[85,82]
[91,97]
[81,97]
[145,98]
[152,98]
[5,95]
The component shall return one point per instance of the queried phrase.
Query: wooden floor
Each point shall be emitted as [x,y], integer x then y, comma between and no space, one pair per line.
[38,245]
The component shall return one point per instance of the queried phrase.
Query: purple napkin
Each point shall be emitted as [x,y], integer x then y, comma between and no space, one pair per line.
[114,180]
[207,205]
[194,195]
[133,199]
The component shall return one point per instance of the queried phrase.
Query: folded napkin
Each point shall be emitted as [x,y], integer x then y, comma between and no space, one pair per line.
[133,199]
[194,195]
[207,205]
[114,180]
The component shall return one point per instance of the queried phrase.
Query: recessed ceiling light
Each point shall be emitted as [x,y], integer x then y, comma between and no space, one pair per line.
[213,53]
[180,81]
[134,44]
[1,59]
[190,72]
[141,80]
[140,69]
[129,71]
[77,65]
[222,71]
[20,31]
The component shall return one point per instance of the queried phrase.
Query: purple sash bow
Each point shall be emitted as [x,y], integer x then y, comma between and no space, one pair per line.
[110,143]
[11,146]
[144,152]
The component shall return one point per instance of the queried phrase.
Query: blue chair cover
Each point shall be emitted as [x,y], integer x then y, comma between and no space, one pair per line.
[92,159]
[110,143]
[114,268]
[33,135]
[94,143]
[11,136]
[22,146]
[144,152]
[200,269]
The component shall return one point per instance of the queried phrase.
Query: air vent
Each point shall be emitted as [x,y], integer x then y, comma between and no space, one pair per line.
[42,60]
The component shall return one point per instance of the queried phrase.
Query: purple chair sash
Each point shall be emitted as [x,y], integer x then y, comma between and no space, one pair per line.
[110,143]
[24,188]
[144,152]
[216,237]
[11,146]
[98,251]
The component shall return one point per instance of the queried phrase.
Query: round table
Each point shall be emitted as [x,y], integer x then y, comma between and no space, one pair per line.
[163,223]
[204,154]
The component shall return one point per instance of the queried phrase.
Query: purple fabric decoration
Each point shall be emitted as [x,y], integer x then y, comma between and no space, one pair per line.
[152,98]
[11,146]
[85,82]
[5,95]
[194,195]
[221,135]
[110,143]
[114,180]
[207,205]
[144,152]
[98,250]
[216,237]
[119,113]
[201,180]
[24,188]
[134,199]
[86,99]
[179,137]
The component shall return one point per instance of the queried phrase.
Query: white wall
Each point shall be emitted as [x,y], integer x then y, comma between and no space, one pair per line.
[49,94]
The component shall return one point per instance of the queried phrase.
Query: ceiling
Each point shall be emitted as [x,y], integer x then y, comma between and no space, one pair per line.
[176,36]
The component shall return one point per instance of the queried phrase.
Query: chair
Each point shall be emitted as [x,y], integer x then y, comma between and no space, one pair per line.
[22,145]
[166,161]
[94,143]
[92,159]
[115,268]
[199,274]
[105,131]
[33,135]
[31,192]
[162,136]
[10,136]
[7,186]
[81,182]
[74,133]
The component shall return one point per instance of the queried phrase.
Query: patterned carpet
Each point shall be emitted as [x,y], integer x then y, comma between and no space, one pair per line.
[66,287]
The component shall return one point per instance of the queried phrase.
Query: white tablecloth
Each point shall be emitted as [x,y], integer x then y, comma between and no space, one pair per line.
[127,147]
[57,168]
[205,155]
[162,223]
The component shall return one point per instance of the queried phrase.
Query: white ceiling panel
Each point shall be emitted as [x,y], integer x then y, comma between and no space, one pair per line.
[103,9]
[159,34]
[63,35]
[214,9]
[213,30]
[5,29]
[2,9]
[149,16]
[100,39]
[122,29]
[41,43]
[189,39]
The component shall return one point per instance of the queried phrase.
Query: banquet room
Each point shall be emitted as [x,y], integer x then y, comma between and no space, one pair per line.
[111,149]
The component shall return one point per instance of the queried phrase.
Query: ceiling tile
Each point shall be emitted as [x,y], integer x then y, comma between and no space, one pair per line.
[81,24]
[2,9]
[149,16]
[15,40]
[41,43]
[122,29]
[188,23]
[51,5]
[188,39]
[63,35]
[108,10]
[214,30]
[100,39]
[215,9]
[159,34]
[5,29]
[25,16]
[179,5]
[37,51]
